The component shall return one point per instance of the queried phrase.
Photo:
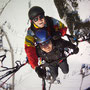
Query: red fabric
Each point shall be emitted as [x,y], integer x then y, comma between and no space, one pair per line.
[60,61]
[32,56]
[63,31]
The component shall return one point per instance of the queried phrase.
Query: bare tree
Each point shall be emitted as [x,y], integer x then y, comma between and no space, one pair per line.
[2,9]
[70,14]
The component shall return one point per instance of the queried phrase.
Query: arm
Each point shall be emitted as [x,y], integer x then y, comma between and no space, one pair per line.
[59,26]
[67,44]
[32,56]
[31,51]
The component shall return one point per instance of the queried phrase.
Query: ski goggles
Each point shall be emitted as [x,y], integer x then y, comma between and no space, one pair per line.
[39,17]
[45,43]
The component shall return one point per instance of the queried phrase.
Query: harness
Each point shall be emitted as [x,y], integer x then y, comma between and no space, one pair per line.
[50,25]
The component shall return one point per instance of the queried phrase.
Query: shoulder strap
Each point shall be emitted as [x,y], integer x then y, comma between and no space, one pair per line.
[50,25]
[33,28]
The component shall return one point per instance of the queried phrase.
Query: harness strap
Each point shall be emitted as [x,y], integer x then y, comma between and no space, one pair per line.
[50,25]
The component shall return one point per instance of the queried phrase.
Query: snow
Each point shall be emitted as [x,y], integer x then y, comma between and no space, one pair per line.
[84,9]
[15,15]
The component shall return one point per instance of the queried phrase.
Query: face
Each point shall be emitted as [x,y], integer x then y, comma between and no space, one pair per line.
[39,21]
[47,47]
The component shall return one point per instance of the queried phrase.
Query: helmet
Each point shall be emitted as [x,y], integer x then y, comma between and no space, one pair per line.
[41,36]
[35,11]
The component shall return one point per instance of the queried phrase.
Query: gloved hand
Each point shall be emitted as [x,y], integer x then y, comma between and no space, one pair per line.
[57,35]
[76,50]
[41,72]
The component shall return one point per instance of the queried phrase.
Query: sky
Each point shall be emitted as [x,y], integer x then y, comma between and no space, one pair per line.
[14,21]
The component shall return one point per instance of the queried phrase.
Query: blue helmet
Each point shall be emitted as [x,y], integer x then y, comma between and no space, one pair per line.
[41,36]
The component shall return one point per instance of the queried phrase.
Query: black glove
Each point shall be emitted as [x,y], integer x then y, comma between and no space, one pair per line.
[76,50]
[57,35]
[41,72]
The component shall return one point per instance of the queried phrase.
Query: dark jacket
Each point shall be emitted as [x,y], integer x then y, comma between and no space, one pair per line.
[58,50]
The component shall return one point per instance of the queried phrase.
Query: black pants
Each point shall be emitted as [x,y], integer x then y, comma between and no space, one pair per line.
[63,66]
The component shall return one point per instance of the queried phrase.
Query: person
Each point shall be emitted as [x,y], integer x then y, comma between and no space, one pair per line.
[39,20]
[52,52]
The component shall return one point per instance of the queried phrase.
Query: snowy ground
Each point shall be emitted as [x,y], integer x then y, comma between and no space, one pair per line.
[16,18]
